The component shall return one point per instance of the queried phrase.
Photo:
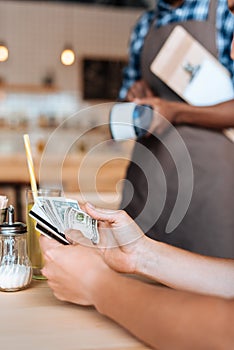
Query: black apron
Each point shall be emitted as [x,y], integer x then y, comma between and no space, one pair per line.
[208,225]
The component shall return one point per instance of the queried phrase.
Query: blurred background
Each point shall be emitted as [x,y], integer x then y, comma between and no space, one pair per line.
[58,58]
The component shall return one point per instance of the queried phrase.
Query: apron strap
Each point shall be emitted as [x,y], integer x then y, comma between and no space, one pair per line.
[212,11]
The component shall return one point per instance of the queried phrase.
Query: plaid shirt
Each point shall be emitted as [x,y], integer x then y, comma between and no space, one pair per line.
[197,10]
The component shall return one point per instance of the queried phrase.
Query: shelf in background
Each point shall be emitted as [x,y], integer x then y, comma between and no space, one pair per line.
[19,88]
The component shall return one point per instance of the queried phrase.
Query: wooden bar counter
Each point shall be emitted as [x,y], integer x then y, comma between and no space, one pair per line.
[34,319]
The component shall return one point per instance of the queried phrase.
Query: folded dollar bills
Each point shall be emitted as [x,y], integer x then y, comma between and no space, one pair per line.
[55,215]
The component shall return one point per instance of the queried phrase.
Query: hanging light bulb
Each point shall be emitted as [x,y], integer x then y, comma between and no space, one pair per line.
[4,53]
[68,56]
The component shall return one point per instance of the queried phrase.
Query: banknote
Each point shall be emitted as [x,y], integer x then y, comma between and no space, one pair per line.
[45,204]
[79,220]
[56,214]
[55,208]
[59,205]
[45,222]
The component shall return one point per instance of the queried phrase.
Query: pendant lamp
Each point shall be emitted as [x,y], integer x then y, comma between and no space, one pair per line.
[4,53]
[68,56]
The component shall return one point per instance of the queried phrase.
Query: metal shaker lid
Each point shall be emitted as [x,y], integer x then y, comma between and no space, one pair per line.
[11,227]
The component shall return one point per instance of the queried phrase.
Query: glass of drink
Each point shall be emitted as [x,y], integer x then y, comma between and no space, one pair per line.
[3,214]
[33,245]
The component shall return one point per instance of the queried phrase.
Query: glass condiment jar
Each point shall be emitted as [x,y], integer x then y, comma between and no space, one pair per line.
[15,266]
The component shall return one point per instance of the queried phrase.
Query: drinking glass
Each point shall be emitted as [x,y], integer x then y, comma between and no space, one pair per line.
[3,214]
[33,245]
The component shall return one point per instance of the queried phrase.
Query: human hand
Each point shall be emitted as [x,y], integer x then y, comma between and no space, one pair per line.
[163,108]
[73,271]
[165,114]
[121,239]
[139,89]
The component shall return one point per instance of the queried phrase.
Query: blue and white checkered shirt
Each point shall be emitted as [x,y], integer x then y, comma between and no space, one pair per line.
[197,10]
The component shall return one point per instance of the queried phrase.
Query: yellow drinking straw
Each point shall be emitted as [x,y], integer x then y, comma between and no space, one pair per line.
[30,165]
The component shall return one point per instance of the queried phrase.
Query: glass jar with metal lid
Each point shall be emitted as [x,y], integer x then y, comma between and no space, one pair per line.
[15,266]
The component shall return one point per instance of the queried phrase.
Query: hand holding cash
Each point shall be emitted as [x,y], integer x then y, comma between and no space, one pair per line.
[55,215]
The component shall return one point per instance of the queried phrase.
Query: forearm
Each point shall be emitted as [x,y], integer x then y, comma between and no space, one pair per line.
[169,265]
[184,270]
[218,117]
[164,318]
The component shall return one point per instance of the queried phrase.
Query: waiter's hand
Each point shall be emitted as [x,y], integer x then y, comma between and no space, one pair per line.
[121,239]
[166,113]
[167,109]
[139,89]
